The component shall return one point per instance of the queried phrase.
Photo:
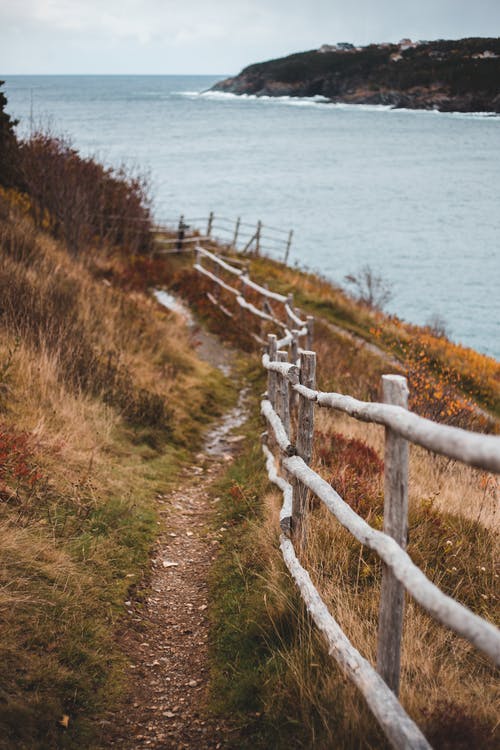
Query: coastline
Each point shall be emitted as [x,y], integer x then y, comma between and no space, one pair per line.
[273,147]
[297,100]
[448,75]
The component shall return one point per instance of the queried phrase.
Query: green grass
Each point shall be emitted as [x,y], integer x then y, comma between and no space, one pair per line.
[269,668]
[81,557]
[257,617]
[59,654]
[242,665]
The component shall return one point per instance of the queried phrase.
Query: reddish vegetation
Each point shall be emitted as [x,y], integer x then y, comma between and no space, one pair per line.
[19,473]
[238,329]
[354,471]
[452,727]
[142,272]
[78,200]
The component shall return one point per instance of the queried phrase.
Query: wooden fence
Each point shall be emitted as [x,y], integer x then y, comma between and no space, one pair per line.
[288,408]
[235,234]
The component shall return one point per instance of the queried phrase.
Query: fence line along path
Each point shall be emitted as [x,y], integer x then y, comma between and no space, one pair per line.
[235,234]
[291,399]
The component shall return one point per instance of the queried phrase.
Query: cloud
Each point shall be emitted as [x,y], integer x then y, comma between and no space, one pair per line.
[140,19]
[222,35]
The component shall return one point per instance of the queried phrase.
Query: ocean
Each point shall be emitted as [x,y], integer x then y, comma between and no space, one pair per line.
[413,194]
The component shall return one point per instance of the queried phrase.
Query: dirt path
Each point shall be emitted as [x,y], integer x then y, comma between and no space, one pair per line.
[166,637]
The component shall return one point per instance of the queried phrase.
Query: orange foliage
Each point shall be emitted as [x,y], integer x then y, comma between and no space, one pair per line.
[435,395]
[445,379]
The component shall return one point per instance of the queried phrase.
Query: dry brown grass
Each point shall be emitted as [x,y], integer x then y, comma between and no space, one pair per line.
[451,486]
[121,347]
[448,687]
[94,420]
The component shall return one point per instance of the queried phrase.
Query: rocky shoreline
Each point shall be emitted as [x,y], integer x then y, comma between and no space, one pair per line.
[418,98]
[460,76]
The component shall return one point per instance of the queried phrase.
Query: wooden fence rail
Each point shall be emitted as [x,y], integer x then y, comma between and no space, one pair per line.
[472,448]
[239,235]
[399,729]
[291,390]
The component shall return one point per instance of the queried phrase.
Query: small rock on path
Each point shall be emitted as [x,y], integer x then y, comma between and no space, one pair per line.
[165,638]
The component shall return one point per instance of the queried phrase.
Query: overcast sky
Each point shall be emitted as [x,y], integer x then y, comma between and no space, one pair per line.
[218,36]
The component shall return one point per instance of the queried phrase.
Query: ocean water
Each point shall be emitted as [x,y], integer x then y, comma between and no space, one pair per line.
[416,195]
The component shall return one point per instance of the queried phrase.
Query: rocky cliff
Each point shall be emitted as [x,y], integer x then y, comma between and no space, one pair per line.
[461,75]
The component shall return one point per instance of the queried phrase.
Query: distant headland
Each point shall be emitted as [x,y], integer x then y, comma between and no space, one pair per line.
[448,75]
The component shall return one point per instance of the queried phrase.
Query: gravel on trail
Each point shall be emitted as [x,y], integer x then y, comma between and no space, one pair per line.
[165,637]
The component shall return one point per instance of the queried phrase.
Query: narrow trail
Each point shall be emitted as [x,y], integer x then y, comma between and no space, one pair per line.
[166,637]
[354,338]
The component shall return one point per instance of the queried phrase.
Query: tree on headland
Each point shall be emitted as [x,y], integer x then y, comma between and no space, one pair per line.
[8,145]
[370,288]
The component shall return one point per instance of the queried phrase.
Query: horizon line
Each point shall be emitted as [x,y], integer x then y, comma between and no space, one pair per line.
[33,75]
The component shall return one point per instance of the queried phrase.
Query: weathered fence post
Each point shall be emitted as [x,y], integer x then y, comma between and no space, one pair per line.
[264,309]
[294,355]
[288,246]
[210,222]
[271,376]
[390,623]
[180,234]
[257,237]
[305,432]
[310,332]
[242,294]
[295,346]
[236,232]
[289,302]
[284,395]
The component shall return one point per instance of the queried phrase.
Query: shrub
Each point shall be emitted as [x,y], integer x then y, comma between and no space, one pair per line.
[436,393]
[437,326]
[354,471]
[370,288]
[80,201]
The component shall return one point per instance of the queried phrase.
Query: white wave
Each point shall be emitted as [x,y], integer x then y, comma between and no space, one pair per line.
[293,101]
[465,115]
[362,107]
[229,96]
[469,115]
[309,101]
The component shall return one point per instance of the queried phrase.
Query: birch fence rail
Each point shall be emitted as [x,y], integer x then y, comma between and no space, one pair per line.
[291,393]
[237,235]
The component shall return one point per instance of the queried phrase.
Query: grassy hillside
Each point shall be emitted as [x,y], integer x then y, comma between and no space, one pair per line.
[270,668]
[103,400]
[94,421]
[358,343]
